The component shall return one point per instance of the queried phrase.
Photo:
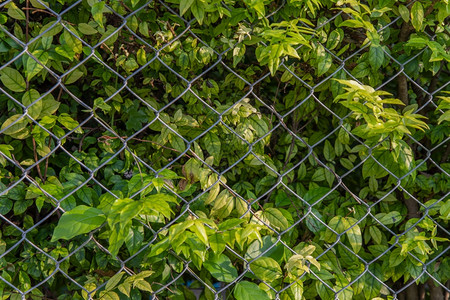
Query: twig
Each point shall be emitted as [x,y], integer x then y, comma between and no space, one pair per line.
[84,136]
[50,139]
[46,161]
[430,8]
[36,157]
[35,10]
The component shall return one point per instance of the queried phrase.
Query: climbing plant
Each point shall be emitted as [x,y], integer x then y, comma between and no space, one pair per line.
[178,149]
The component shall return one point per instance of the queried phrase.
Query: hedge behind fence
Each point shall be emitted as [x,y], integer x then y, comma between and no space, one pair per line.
[255,149]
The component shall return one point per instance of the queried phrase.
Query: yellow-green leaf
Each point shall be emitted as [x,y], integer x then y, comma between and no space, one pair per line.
[185,5]
[12,79]
[33,66]
[266,269]
[29,97]
[15,12]
[417,15]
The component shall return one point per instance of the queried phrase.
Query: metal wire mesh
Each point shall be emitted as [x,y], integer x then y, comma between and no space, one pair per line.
[219,115]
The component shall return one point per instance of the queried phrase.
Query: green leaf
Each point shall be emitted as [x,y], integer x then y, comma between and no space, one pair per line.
[324,291]
[246,290]
[21,206]
[315,194]
[117,236]
[67,121]
[371,284]
[217,243]
[134,240]
[266,269]
[361,70]
[319,175]
[97,12]
[158,203]
[74,179]
[221,268]
[5,206]
[238,53]
[125,288]
[113,281]
[82,219]
[109,296]
[86,29]
[354,235]
[29,97]
[328,151]
[73,76]
[230,223]
[334,38]
[275,52]
[417,42]
[376,56]
[15,12]
[259,125]
[275,218]
[122,211]
[135,119]
[53,29]
[49,106]
[12,79]
[24,280]
[338,224]
[177,143]
[351,23]
[404,12]
[373,168]
[417,15]
[143,285]
[198,10]
[396,258]
[389,218]
[200,232]
[444,117]
[6,151]
[257,249]
[18,129]
[297,289]
[213,144]
[72,41]
[376,234]
[160,247]
[141,57]
[33,67]
[37,4]
[223,205]
[185,5]
[324,64]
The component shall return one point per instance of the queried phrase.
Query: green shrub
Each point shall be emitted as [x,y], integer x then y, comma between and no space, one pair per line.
[287,149]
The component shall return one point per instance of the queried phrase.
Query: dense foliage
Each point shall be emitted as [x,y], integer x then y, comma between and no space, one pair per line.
[279,149]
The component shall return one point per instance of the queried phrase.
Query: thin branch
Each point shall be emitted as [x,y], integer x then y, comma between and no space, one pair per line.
[36,157]
[50,139]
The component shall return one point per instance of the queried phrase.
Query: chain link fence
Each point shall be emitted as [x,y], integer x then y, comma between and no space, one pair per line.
[220,290]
